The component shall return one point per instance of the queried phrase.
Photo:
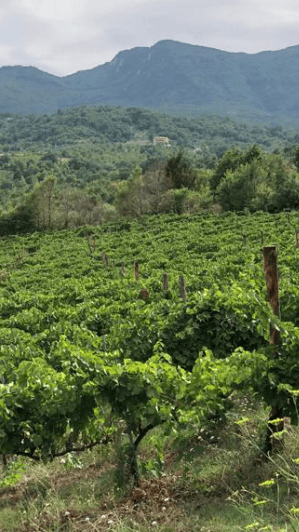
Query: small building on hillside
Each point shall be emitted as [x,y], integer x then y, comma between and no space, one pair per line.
[162,140]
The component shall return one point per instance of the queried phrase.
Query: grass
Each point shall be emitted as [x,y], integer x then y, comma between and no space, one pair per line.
[214,481]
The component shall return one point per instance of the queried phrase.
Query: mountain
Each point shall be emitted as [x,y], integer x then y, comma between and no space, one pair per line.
[168,76]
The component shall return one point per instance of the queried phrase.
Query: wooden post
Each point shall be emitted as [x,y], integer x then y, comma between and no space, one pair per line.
[296,238]
[136,271]
[271,275]
[91,243]
[182,286]
[143,294]
[105,258]
[165,284]
[122,271]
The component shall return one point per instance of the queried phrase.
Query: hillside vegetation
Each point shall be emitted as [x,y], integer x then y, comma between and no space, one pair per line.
[94,164]
[110,124]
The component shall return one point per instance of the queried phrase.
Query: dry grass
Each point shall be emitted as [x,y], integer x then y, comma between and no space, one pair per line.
[206,484]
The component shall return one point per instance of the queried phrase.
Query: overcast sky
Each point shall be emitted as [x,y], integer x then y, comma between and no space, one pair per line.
[64,36]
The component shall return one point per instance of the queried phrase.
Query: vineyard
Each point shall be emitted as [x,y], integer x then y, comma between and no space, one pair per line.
[97,332]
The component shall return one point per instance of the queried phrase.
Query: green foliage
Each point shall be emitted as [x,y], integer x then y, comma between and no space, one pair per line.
[83,354]
[19,220]
[179,199]
[91,153]
[59,135]
[131,196]
[267,183]
[231,161]
[179,171]
[14,471]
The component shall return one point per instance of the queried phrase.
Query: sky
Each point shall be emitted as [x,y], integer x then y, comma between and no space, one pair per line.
[65,36]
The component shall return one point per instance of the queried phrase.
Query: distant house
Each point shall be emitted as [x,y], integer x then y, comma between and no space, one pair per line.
[162,140]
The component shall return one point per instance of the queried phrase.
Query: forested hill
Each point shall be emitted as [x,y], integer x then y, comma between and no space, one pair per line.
[136,127]
[170,76]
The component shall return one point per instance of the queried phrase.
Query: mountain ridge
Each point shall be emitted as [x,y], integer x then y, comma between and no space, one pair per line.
[169,74]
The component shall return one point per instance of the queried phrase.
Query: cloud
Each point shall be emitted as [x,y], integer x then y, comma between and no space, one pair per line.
[21,33]
[63,36]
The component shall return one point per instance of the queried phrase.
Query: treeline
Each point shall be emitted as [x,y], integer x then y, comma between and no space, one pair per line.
[87,165]
[251,179]
[241,179]
[52,206]
[256,180]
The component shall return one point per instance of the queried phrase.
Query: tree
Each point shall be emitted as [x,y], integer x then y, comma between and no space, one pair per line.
[179,171]
[235,191]
[231,160]
[131,195]
[296,157]
[268,183]
[44,198]
[156,183]
[84,207]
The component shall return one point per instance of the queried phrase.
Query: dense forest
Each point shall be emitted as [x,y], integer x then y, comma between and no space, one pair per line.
[92,164]
[110,124]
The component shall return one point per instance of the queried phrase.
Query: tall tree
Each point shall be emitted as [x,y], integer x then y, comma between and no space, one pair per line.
[44,199]
[179,170]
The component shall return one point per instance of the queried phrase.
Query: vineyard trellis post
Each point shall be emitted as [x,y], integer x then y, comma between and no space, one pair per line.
[165,284]
[182,286]
[144,294]
[91,243]
[105,258]
[136,271]
[122,271]
[271,275]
